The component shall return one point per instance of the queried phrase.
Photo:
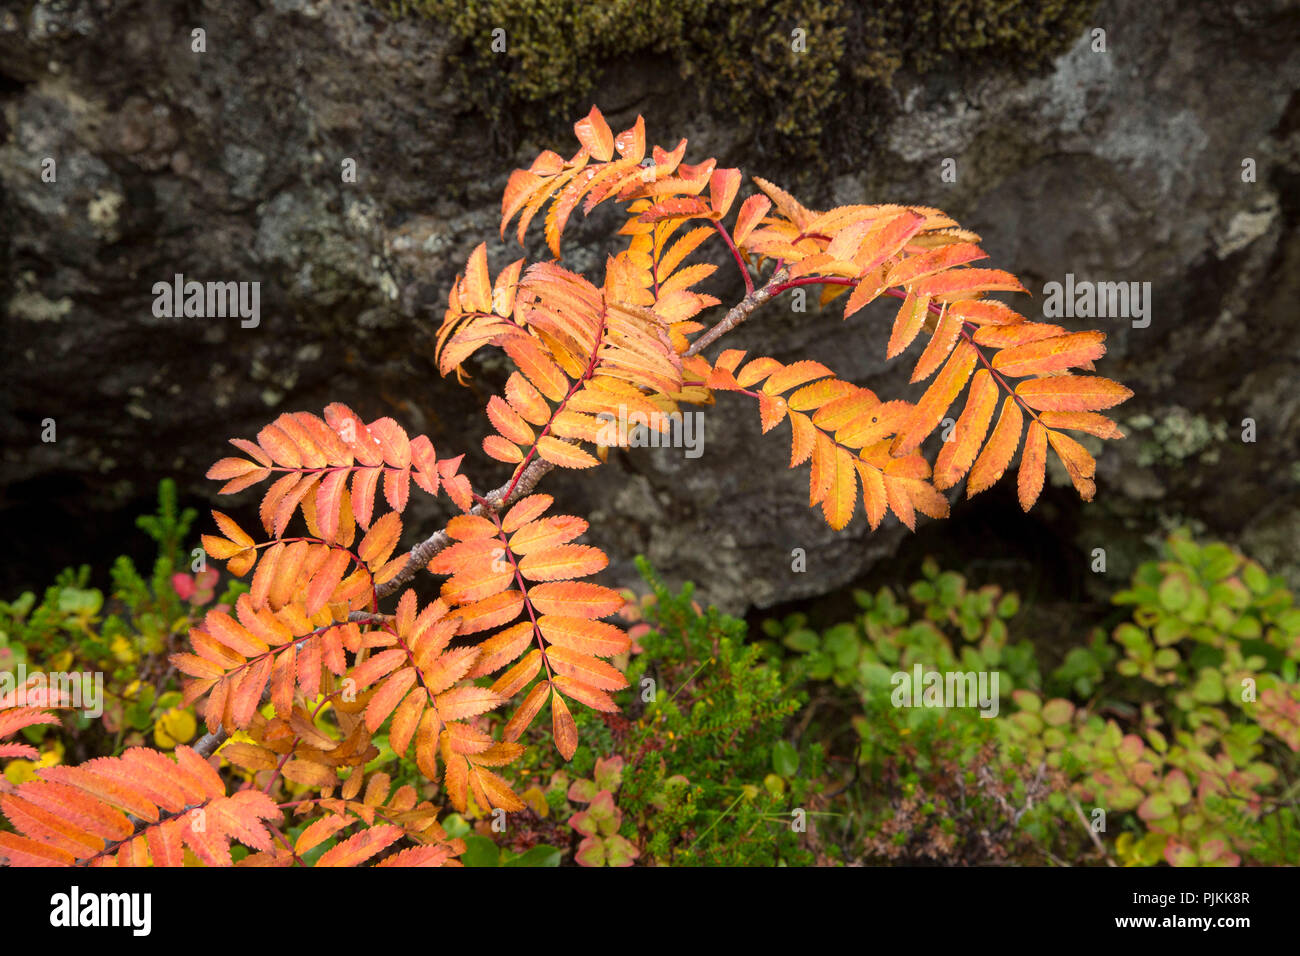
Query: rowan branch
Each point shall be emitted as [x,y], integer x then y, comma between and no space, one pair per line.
[494,501]
[740,312]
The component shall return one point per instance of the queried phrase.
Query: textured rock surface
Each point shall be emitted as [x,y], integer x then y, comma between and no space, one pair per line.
[225,165]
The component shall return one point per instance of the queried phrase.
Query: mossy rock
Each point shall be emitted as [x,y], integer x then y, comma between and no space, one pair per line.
[809,75]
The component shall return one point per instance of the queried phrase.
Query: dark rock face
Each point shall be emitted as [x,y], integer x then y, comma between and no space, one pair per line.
[226,165]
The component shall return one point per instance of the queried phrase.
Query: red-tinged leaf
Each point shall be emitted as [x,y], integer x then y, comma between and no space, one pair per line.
[326,579]
[283,672]
[935,260]
[1072,393]
[519,676]
[309,773]
[19,750]
[222,627]
[631,142]
[166,847]
[248,480]
[524,511]
[425,463]
[822,469]
[935,402]
[380,665]
[274,495]
[787,204]
[502,648]
[458,490]
[329,503]
[857,405]
[533,361]
[564,454]
[388,696]
[318,831]
[352,431]
[595,136]
[564,730]
[865,291]
[288,565]
[508,422]
[937,349]
[546,533]
[1079,464]
[1033,464]
[677,207]
[1051,355]
[874,499]
[393,442]
[796,373]
[1008,336]
[421,856]
[771,411]
[752,211]
[193,666]
[476,288]
[887,241]
[527,400]
[876,423]
[802,437]
[397,487]
[1089,422]
[925,498]
[229,468]
[562,562]
[12,721]
[214,709]
[988,312]
[519,189]
[489,613]
[279,446]
[247,694]
[478,582]
[1002,444]
[723,185]
[232,530]
[959,450]
[755,371]
[900,502]
[254,450]
[842,497]
[911,316]
[822,393]
[364,481]
[497,790]
[19,851]
[526,713]
[462,702]
[468,527]
[51,828]
[405,722]
[584,636]
[197,774]
[575,599]
[969,280]
[498,448]
[309,667]
[593,697]
[356,849]
[380,540]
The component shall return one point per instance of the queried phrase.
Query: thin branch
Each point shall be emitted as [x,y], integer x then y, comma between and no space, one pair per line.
[740,261]
[494,501]
[1086,826]
[739,313]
